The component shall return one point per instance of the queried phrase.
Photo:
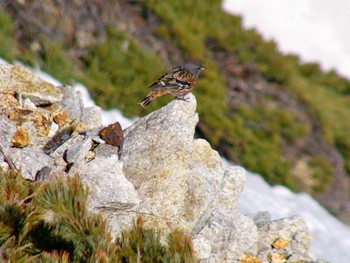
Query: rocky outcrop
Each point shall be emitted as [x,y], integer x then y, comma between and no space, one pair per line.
[287,239]
[182,182]
[160,172]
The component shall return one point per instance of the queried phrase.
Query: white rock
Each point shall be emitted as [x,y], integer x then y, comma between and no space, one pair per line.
[182,182]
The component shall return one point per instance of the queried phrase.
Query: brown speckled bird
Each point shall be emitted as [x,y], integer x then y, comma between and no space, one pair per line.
[177,82]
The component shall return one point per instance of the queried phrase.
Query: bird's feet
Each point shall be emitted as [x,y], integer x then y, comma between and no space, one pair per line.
[182,97]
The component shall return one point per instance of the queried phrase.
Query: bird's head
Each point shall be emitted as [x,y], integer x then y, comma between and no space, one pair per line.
[195,69]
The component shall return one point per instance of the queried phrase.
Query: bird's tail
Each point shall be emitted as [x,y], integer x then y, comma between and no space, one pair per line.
[147,100]
[151,96]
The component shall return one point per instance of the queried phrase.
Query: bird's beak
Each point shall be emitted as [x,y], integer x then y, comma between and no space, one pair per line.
[202,68]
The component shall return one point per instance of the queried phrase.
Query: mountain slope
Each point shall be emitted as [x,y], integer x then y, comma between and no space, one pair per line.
[275,116]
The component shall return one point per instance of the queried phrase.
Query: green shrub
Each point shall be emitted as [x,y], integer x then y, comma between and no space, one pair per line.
[145,245]
[331,79]
[50,222]
[8,50]
[39,219]
[120,72]
[322,173]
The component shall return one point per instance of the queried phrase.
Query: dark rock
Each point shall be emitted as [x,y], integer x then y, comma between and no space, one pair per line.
[112,134]
[43,174]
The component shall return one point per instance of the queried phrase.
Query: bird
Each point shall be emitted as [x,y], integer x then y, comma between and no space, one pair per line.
[177,82]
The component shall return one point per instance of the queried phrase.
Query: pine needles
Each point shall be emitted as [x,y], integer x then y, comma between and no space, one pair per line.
[50,222]
[145,245]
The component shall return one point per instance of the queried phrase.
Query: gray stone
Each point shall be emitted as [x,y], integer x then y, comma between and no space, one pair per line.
[182,182]
[28,85]
[301,245]
[29,161]
[294,229]
[110,188]
[161,136]
[105,150]
[78,151]
[53,129]
[73,102]
[34,139]
[59,153]
[7,130]
[261,218]
[97,139]
[28,104]
[92,118]
[43,174]
[202,247]
[111,193]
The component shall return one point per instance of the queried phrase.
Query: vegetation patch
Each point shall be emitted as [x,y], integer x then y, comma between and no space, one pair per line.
[50,222]
[119,67]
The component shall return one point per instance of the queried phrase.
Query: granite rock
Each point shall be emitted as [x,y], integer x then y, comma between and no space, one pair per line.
[182,182]
[159,171]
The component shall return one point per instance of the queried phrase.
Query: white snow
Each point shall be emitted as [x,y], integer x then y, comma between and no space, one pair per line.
[331,237]
[43,75]
[108,116]
[316,30]
[3,61]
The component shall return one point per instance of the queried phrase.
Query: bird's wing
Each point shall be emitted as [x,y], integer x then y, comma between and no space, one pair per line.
[184,78]
[174,79]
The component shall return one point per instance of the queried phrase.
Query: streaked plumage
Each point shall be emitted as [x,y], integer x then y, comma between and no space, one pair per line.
[177,82]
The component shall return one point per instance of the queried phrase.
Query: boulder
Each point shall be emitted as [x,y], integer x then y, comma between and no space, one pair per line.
[287,238]
[155,169]
[25,84]
[182,182]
